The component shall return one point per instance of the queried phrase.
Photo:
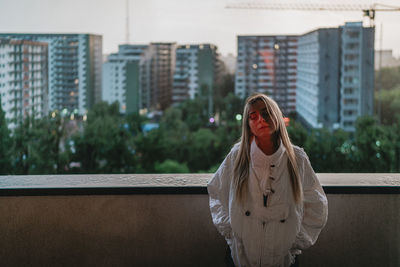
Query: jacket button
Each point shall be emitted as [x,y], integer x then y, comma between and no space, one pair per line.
[283,220]
[247,213]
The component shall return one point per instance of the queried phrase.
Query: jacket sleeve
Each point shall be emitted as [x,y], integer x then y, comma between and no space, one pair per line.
[218,190]
[315,211]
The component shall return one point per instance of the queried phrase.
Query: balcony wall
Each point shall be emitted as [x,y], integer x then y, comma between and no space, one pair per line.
[164,220]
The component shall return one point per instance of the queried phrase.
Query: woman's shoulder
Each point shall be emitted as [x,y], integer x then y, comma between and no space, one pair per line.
[299,152]
[233,152]
[235,148]
[229,160]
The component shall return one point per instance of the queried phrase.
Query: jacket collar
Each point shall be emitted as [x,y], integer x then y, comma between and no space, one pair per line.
[259,159]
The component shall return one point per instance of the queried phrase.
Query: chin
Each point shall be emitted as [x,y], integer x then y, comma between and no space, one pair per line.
[264,135]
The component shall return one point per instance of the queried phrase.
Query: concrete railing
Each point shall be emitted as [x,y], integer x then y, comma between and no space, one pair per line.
[164,220]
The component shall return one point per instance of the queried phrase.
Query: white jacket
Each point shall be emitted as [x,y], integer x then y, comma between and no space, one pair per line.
[268,235]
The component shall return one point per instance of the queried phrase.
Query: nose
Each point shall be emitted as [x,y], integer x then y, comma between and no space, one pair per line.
[260,118]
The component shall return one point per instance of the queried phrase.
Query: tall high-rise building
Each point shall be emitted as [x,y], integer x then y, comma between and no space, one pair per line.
[267,64]
[147,81]
[74,69]
[318,72]
[23,79]
[155,76]
[335,77]
[195,71]
[163,66]
[357,73]
[122,79]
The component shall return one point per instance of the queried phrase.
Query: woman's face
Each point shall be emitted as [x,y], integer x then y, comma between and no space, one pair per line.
[259,121]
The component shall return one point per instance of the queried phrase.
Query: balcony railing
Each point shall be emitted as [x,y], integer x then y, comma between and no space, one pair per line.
[164,220]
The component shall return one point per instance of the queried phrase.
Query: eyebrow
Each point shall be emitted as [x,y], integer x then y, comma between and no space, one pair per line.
[264,109]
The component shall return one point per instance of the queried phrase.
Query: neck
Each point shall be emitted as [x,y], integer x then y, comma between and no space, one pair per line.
[268,145]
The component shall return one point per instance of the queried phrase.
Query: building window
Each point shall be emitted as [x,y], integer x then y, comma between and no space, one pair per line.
[349,112]
[348,123]
[350,56]
[348,90]
[350,101]
[353,34]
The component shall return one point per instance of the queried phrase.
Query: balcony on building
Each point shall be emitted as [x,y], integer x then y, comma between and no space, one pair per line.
[164,220]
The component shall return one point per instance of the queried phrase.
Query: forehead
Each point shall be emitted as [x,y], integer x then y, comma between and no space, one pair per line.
[258,105]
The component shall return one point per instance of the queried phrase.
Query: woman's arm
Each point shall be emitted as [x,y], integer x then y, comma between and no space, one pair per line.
[218,190]
[315,208]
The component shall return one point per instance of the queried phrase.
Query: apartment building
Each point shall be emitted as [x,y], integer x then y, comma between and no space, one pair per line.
[160,74]
[268,64]
[122,79]
[335,76]
[195,72]
[162,71]
[74,69]
[318,72]
[357,73]
[23,79]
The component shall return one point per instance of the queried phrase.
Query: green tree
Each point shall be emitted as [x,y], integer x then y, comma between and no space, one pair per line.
[224,87]
[387,78]
[135,122]
[171,166]
[297,133]
[390,105]
[5,142]
[36,146]
[232,106]
[47,136]
[203,150]
[194,113]
[175,135]
[394,136]
[21,147]
[104,145]
[323,150]
[373,146]
[150,148]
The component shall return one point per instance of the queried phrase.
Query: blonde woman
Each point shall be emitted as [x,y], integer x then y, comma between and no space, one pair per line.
[265,198]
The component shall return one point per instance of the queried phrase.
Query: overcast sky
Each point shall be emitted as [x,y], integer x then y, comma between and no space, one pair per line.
[181,21]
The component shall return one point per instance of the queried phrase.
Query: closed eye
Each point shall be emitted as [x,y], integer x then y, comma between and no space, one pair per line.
[253,116]
[265,116]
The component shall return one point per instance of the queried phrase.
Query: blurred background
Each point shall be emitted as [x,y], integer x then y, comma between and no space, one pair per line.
[159,86]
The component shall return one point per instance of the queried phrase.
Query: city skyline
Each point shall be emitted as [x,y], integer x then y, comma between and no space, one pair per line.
[180,21]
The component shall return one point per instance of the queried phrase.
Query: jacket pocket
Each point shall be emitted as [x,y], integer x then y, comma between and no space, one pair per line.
[279,233]
[273,213]
[237,218]
[237,251]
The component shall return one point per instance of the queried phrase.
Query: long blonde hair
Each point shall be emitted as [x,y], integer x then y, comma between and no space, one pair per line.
[242,161]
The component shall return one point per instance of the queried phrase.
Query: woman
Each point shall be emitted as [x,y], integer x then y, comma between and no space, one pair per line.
[265,198]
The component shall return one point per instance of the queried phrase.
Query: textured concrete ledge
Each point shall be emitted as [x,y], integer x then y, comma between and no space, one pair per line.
[104,180]
[114,184]
[175,180]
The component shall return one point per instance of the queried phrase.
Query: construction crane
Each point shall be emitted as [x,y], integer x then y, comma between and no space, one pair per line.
[368,10]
